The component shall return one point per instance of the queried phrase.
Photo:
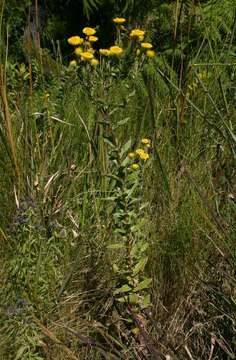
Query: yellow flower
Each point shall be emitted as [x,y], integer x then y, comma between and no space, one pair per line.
[138,52]
[73,63]
[93,38]
[131,155]
[105,52]
[118,20]
[137,33]
[141,38]
[94,62]
[142,154]
[116,50]
[78,51]
[86,55]
[135,166]
[89,31]
[146,45]
[75,40]
[145,141]
[150,53]
[139,152]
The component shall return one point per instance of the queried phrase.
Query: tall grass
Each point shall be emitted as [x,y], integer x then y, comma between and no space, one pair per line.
[65,137]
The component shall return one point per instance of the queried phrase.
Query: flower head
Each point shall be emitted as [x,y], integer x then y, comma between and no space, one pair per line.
[137,33]
[131,155]
[86,55]
[93,38]
[146,141]
[75,40]
[135,166]
[150,53]
[116,50]
[142,154]
[146,45]
[73,63]
[105,52]
[94,62]
[89,31]
[119,20]
[78,51]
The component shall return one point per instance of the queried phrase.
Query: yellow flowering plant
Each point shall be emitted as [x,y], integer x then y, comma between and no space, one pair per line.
[85,46]
[126,182]
[122,165]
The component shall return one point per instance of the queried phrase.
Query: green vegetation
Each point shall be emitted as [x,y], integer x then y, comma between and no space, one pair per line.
[117,177]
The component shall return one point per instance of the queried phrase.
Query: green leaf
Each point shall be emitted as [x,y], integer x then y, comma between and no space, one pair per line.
[146,301]
[143,285]
[115,268]
[109,142]
[89,6]
[122,122]
[122,299]
[125,161]
[123,289]
[140,266]
[119,231]
[125,147]
[133,298]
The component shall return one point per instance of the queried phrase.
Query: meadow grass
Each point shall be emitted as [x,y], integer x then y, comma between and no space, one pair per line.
[75,221]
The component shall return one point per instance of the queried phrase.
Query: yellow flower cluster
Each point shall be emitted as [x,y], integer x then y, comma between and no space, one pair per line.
[83,47]
[138,34]
[140,154]
[113,50]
